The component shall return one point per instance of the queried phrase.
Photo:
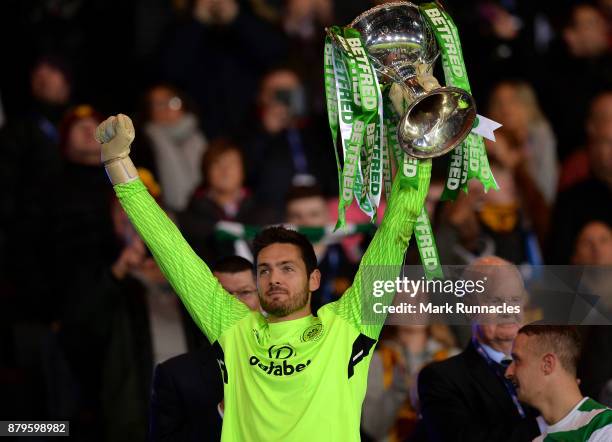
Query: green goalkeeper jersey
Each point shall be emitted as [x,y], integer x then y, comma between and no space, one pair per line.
[299,380]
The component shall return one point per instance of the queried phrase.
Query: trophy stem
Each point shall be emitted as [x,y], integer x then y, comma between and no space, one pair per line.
[403,94]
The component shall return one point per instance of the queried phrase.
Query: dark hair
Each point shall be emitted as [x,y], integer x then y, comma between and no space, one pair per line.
[57,62]
[562,340]
[146,103]
[217,148]
[70,118]
[279,234]
[232,264]
[299,192]
[580,228]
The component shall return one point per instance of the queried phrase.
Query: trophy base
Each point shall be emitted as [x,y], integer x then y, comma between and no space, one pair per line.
[436,122]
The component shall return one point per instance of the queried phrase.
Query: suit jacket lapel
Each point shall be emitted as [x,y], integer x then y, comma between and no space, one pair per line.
[487,379]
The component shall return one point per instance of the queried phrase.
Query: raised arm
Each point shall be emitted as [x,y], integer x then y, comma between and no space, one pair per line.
[383,258]
[211,307]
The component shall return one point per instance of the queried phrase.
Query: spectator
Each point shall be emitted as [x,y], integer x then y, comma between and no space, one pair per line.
[35,135]
[466,397]
[217,57]
[460,234]
[284,149]
[390,409]
[544,373]
[237,276]
[479,224]
[26,195]
[594,245]
[306,207]
[520,200]
[576,166]
[175,143]
[83,221]
[303,17]
[588,200]
[76,136]
[30,167]
[221,197]
[594,248]
[586,34]
[498,39]
[514,105]
[187,398]
[586,60]
[304,22]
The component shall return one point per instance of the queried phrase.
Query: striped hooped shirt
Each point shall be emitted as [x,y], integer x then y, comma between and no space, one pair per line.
[589,421]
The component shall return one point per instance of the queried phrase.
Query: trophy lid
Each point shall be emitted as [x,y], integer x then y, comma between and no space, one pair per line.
[396,36]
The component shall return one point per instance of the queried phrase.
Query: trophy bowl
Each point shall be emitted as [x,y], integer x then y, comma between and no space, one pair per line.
[403,50]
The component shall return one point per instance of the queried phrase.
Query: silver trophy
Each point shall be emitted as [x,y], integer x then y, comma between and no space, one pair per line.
[403,50]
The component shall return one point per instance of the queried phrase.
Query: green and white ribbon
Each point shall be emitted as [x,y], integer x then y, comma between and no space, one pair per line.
[366,82]
[405,164]
[232,231]
[427,247]
[341,88]
[332,101]
[387,159]
[471,158]
[352,121]
[367,124]
[407,167]
[457,172]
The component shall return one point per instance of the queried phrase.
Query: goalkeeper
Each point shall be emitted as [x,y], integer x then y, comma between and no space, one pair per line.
[291,376]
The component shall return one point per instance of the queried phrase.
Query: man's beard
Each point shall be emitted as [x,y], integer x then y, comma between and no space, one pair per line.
[292,304]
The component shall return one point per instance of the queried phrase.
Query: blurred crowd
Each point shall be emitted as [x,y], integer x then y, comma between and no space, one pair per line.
[231,130]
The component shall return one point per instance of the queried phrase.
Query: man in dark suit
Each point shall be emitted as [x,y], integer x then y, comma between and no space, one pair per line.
[467,398]
[187,397]
[186,393]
